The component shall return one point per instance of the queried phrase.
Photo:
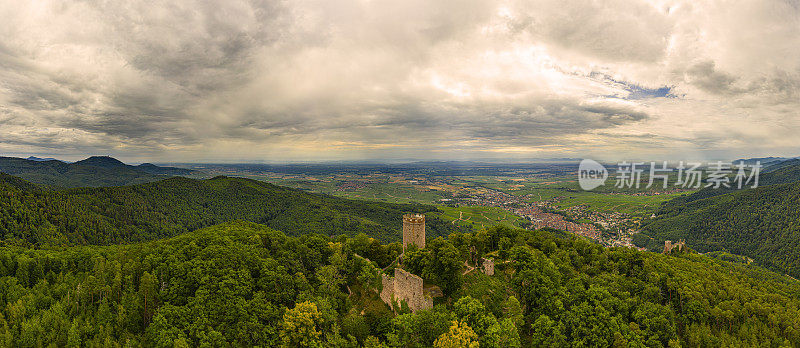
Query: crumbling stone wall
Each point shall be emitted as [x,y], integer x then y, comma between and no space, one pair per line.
[487,266]
[405,287]
[669,247]
[414,230]
[388,288]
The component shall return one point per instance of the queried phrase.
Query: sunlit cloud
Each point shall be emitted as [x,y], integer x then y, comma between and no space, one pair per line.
[314,80]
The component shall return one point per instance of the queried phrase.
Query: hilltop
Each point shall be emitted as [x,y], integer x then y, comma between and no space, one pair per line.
[101,161]
[34,158]
[154,169]
[96,171]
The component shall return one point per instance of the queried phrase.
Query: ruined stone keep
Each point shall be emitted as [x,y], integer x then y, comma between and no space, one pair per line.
[669,247]
[414,230]
[487,266]
[405,286]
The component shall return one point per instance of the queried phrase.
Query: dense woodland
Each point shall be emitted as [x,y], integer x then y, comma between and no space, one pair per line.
[60,175]
[97,171]
[761,223]
[244,284]
[112,215]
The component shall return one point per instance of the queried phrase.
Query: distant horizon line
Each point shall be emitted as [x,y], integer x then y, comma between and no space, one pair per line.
[400,161]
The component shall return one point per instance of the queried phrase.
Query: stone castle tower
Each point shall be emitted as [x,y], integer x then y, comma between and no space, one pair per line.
[669,246]
[414,230]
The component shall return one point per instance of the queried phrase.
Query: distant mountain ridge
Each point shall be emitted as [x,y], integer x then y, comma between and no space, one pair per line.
[765,161]
[154,169]
[782,164]
[95,171]
[101,161]
[34,158]
[111,162]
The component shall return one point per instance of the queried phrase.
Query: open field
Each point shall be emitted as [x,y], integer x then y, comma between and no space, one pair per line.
[375,189]
[622,203]
[385,192]
[569,195]
[480,217]
[560,191]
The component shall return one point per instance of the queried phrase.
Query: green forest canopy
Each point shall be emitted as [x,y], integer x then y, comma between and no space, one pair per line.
[112,215]
[91,172]
[245,284]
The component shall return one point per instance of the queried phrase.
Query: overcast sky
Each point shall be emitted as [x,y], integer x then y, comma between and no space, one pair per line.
[306,80]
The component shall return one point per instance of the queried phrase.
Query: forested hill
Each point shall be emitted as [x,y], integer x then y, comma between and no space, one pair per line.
[780,172]
[761,223]
[94,171]
[173,206]
[241,284]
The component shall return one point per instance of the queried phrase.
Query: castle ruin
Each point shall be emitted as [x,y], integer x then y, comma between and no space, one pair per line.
[487,266]
[414,230]
[669,246]
[405,286]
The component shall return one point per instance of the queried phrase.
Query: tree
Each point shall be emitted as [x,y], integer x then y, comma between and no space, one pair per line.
[513,310]
[231,285]
[473,313]
[373,342]
[301,326]
[6,338]
[547,333]
[502,334]
[504,245]
[440,262]
[460,335]
[405,331]
[147,295]
[355,325]
[74,336]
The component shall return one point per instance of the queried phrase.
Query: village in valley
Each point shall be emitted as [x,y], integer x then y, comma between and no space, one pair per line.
[534,196]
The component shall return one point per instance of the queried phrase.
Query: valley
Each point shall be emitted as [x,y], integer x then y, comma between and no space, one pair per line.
[478,195]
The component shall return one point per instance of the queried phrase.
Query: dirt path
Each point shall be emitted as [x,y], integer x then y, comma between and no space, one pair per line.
[469,268]
[460,217]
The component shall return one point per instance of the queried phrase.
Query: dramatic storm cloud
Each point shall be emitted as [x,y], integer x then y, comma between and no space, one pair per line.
[268,80]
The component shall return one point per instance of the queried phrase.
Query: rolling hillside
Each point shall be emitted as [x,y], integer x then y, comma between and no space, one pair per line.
[779,172]
[173,206]
[761,223]
[97,171]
